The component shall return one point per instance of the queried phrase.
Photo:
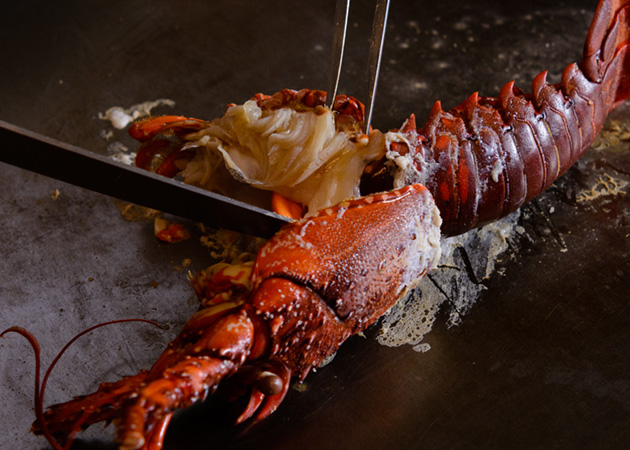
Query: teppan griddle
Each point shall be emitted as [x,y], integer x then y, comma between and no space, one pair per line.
[541,360]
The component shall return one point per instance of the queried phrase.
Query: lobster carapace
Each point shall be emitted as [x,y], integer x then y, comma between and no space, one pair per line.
[334,272]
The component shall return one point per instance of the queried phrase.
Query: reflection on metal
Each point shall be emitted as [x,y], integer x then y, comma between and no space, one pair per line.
[339,42]
[83,168]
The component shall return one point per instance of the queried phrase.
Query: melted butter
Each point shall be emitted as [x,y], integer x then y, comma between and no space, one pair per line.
[449,285]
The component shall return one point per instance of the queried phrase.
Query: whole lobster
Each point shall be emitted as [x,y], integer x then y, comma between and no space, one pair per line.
[328,276]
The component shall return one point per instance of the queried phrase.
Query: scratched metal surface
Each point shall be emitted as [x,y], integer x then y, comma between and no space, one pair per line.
[541,361]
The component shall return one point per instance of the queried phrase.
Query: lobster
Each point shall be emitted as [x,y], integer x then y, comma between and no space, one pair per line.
[333,273]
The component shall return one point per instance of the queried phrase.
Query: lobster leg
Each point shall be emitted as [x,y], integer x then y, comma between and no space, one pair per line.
[155,438]
[148,128]
[269,385]
[211,347]
[218,352]
[62,419]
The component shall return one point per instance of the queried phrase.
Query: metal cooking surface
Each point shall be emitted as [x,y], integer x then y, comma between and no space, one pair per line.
[540,361]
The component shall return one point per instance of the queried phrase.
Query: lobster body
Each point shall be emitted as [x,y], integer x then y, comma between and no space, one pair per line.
[329,276]
[488,156]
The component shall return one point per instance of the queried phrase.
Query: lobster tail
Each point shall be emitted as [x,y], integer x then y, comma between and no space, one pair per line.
[606,55]
[488,156]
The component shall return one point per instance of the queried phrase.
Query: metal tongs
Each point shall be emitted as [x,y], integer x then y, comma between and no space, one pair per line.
[374,58]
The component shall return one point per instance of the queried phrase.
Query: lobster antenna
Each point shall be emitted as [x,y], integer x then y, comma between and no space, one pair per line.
[40,389]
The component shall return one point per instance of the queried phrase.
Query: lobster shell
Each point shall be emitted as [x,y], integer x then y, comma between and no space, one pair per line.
[358,258]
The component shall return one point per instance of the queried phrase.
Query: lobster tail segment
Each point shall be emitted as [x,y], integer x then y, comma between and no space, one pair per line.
[607,50]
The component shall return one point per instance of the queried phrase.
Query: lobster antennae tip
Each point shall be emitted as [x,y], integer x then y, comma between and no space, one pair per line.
[19,330]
